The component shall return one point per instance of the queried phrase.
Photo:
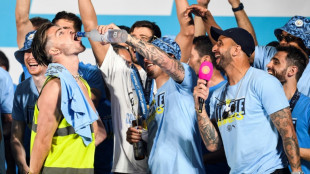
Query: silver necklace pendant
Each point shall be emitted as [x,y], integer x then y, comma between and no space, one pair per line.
[76,77]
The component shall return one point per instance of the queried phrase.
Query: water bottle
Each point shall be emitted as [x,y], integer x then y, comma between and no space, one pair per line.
[139,148]
[111,36]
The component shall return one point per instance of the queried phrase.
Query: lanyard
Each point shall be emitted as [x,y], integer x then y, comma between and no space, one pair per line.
[148,91]
[294,100]
[135,77]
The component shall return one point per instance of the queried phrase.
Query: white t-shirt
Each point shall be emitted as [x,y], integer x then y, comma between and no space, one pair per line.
[124,100]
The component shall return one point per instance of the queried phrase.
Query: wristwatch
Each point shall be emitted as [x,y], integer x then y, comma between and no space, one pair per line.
[300,172]
[240,7]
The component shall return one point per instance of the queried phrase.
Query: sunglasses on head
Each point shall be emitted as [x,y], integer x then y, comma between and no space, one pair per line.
[287,38]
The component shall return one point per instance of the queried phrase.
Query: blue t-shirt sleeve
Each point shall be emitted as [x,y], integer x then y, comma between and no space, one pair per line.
[93,76]
[190,78]
[7,93]
[263,55]
[302,125]
[271,93]
[304,142]
[17,113]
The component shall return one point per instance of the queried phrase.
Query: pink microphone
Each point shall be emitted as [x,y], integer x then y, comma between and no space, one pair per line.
[205,72]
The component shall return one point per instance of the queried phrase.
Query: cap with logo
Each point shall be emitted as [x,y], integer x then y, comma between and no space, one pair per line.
[238,35]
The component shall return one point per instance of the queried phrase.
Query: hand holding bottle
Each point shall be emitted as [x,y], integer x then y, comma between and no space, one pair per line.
[106,34]
[134,134]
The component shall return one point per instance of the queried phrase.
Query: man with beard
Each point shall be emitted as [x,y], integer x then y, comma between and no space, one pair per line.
[173,143]
[249,111]
[215,162]
[295,33]
[64,128]
[287,65]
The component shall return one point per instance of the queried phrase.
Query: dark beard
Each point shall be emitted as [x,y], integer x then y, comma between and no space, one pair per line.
[281,76]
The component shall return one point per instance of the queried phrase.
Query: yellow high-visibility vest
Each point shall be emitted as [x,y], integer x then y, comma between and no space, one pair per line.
[68,154]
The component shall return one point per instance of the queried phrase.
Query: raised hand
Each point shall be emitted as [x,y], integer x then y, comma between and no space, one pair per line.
[104,28]
[197,10]
[134,134]
[201,90]
[203,3]
[234,3]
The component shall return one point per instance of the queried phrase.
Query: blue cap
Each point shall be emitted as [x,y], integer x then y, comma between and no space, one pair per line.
[19,54]
[169,46]
[238,35]
[297,26]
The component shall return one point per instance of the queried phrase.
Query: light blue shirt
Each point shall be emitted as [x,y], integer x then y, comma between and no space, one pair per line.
[222,166]
[249,137]
[6,104]
[301,120]
[174,143]
[263,55]
[25,97]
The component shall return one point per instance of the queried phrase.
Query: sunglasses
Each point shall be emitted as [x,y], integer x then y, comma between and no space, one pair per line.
[287,38]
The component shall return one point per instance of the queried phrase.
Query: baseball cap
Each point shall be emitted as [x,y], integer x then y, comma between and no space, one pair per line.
[297,26]
[238,35]
[19,54]
[169,46]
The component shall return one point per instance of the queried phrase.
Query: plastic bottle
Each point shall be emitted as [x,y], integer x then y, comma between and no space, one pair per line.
[111,36]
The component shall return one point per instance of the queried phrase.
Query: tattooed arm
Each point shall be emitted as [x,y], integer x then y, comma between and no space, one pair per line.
[168,64]
[283,121]
[207,130]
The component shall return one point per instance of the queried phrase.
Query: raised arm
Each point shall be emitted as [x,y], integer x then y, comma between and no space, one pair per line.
[89,20]
[48,120]
[206,17]
[242,19]
[187,30]
[283,122]
[200,29]
[23,24]
[207,129]
[244,22]
[171,66]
